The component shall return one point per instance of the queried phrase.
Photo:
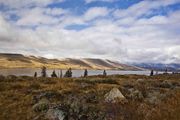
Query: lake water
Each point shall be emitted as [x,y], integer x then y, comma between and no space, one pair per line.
[76,73]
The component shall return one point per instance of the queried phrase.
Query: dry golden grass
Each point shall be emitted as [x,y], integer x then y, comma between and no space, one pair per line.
[16,96]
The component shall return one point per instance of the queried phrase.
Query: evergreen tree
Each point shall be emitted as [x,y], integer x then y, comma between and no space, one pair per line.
[35,74]
[104,73]
[85,73]
[68,73]
[54,74]
[152,73]
[43,71]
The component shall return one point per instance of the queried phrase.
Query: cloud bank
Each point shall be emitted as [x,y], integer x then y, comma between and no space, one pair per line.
[146,31]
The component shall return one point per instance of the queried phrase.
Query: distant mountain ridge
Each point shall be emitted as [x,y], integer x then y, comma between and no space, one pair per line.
[21,61]
[159,66]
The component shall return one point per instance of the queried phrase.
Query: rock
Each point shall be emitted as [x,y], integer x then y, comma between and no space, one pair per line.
[49,94]
[113,95]
[136,94]
[55,114]
[155,97]
[166,84]
[46,95]
[152,100]
[41,106]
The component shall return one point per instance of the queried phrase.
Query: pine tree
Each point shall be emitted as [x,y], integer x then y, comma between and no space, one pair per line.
[152,73]
[35,74]
[85,73]
[104,73]
[54,74]
[68,73]
[43,71]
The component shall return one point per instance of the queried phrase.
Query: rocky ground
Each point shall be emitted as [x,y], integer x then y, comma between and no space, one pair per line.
[117,97]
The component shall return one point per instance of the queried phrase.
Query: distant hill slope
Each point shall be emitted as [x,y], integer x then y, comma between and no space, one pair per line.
[159,66]
[21,61]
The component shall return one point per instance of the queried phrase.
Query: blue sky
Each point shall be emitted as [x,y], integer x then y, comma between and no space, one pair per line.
[80,6]
[123,30]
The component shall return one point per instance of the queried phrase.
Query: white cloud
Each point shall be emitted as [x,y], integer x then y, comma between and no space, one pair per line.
[55,11]
[46,16]
[126,38]
[96,12]
[36,17]
[62,42]
[39,15]
[142,8]
[89,16]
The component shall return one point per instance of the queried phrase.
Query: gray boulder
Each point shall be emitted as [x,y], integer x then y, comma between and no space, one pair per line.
[55,114]
[114,95]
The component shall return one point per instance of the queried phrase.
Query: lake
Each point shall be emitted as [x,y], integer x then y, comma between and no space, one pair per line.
[76,73]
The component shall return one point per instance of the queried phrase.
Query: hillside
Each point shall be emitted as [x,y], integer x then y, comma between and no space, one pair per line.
[22,61]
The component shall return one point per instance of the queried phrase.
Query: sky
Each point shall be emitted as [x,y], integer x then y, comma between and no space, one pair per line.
[121,30]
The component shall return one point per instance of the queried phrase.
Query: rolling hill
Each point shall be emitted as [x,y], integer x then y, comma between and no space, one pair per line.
[21,61]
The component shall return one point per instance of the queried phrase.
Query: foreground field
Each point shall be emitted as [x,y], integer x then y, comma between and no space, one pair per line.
[118,97]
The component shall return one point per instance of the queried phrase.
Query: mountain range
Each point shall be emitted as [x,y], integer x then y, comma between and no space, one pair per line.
[159,66]
[22,61]
[8,60]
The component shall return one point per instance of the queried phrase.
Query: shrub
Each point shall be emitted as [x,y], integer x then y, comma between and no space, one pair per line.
[2,78]
[48,81]
[94,81]
[41,106]
[12,77]
[34,86]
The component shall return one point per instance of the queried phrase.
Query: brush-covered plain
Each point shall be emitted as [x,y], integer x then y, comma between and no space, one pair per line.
[145,98]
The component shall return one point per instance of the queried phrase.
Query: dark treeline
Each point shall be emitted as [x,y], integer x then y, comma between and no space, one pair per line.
[165,72]
[68,73]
